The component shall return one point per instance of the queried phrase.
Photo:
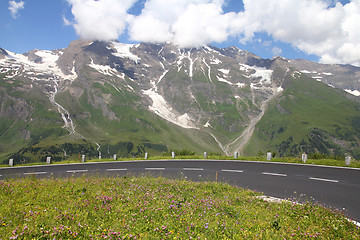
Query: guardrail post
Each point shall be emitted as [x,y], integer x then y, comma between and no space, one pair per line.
[146,155]
[11,162]
[304,157]
[48,160]
[205,155]
[236,155]
[347,160]
[173,154]
[83,158]
[269,156]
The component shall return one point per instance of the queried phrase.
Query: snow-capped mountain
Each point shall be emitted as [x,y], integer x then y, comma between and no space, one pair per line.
[157,97]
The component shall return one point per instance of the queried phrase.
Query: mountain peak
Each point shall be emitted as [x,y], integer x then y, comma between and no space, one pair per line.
[3,53]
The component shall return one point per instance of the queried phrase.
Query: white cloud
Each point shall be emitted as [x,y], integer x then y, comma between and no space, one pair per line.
[201,24]
[325,28]
[100,19]
[276,51]
[15,7]
[187,23]
[321,27]
[66,21]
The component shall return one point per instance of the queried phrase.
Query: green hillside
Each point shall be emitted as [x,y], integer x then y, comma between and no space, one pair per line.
[108,115]
[309,116]
[92,98]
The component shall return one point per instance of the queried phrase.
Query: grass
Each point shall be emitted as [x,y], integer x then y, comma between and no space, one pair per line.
[306,105]
[148,208]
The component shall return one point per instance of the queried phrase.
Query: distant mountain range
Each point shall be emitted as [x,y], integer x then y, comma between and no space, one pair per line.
[126,99]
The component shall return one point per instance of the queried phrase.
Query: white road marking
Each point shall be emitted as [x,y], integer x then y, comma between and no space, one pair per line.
[193,169]
[76,171]
[154,169]
[35,173]
[116,169]
[324,179]
[275,174]
[354,222]
[229,170]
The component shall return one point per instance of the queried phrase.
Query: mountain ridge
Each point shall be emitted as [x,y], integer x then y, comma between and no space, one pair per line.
[213,96]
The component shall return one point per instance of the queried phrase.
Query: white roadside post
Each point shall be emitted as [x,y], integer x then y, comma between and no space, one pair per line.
[48,160]
[269,156]
[146,155]
[11,162]
[205,155]
[99,155]
[236,155]
[173,154]
[83,158]
[114,156]
[347,160]
[304,157]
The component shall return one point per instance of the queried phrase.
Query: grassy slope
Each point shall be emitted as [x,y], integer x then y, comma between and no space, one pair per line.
[147,208]
[304,106]
[34,110]
[133,123]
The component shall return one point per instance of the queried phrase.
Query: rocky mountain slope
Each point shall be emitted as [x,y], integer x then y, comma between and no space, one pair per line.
[111,98]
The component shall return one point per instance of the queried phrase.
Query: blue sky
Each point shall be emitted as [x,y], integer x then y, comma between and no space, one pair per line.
[317,30]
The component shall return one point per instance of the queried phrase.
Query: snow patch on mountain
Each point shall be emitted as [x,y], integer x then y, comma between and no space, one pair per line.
[353,92]
[223,80]
[208,49]
[327,74]
[165,111]
[123,51]
[254,86]
[47,57]
[47,66]
[215,61]
[162,76]
[260,72]
[104,69]
[209,69]
[264,74]
[224,71]
[207,124]
[191,66]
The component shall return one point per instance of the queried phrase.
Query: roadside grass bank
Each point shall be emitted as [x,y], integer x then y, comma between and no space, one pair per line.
[324,162]
[156,208]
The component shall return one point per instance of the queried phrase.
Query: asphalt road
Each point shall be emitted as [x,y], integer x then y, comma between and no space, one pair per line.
[333,187]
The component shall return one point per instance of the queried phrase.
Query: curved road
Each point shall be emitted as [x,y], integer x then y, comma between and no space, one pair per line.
[333,187]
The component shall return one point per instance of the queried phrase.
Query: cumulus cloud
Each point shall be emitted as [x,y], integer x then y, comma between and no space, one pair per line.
[325,28]
[187,23]
[276,51]
[100,19]
[15,7]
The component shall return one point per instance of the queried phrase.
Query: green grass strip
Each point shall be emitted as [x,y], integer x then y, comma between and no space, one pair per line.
[149,208]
